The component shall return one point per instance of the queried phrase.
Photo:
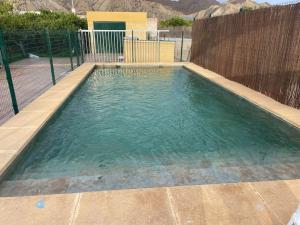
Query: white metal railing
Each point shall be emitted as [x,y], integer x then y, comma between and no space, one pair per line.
[129,46]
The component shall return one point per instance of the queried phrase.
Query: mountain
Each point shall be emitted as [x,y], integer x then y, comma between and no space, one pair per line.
[229,7]
[154,9]
[34,5]
[161,9]
[187,6]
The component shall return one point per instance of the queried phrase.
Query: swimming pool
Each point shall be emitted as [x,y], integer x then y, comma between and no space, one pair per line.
[146,127]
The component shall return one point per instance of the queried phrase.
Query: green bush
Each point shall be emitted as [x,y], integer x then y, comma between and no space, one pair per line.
[245,9]
[176,22]
[6,7]
[33,21]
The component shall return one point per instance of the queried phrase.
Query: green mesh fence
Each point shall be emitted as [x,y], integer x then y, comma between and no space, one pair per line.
[30,56]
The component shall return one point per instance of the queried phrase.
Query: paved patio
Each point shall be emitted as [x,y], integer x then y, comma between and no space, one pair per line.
[259,203]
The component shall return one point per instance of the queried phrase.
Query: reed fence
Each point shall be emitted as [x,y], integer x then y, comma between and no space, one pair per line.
[259,49]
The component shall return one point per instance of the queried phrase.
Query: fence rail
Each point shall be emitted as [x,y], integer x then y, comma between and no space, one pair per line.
[31,62]
[35,60]
[129,46]
[260,49]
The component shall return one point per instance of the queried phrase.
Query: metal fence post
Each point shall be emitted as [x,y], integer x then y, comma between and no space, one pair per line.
[80,40]
[132,60]
[8,74]
[77,48]
[181,49]
[158,39]
[47,37]
[70,50]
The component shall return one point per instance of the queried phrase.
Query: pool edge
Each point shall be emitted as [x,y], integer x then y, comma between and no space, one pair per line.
[17,132]
[257,197]
[286,113]
[235,204]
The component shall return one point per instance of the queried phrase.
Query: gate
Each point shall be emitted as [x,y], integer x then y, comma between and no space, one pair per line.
[129,46]
[109,37]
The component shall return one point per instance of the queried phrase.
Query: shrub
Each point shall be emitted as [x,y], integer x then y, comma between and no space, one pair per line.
[175,22]
[33,21]
[245,9]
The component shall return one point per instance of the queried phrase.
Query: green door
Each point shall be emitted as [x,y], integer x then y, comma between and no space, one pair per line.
[111,42]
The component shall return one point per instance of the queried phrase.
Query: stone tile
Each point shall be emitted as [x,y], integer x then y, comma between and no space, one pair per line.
[294,186]
[279,198]
[6,157]
[56,94]
[15,139]
[27,120]
[74,80]
[62,85]
[282,110]
[132,207]
[43,106]
[188,205]
[234,204]
[37,210]
[293,119]
[74,83]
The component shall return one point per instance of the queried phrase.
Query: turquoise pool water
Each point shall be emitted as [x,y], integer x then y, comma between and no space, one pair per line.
[145,127]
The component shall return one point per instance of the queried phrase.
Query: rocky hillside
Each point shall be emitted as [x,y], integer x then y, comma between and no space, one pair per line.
[229,7]
[187,6]
[161,9]
[81,6]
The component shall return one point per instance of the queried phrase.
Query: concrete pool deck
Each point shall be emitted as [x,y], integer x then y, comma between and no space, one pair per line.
[242,203]
[261,203]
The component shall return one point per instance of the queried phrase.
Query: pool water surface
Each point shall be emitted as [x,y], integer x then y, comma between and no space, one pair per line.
[148,127]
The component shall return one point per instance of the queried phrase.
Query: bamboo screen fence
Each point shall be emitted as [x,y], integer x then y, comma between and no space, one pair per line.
[260,49]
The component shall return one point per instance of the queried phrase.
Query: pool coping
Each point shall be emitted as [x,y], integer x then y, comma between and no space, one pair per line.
[286,113]
[17,133]
[249,203]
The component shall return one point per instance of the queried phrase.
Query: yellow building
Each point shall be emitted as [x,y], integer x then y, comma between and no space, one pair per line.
[119,20]
[140,39]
